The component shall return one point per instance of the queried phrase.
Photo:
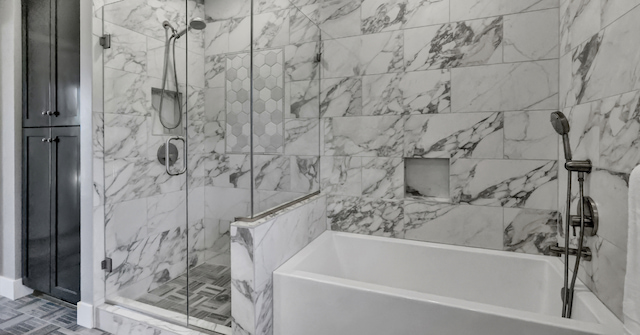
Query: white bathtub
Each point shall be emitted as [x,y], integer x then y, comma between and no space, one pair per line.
[351,284]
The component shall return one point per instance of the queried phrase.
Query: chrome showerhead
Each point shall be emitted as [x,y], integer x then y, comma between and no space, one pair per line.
[561,125]
[195,23]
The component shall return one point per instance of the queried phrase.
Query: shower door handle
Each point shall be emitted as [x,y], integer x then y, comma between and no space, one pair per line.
[167,163]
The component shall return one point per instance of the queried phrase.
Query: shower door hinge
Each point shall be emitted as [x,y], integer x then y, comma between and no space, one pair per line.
[105,41]
[107,265]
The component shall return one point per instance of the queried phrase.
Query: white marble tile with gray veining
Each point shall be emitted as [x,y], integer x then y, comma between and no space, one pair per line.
[125,136]
[529,135]
[383,15]
[456,44]
[421,92]
[229,171]
[128,93]
[340,18]
[302,137]
[303,26]
[383,178]
[516,86]
[272,172]
[341,175]
[271,30]
[379,136]
[472,135]
[531,36]
[530,231]
[382,53]
[473,9]
[365,216]
[508,183]
[305,174]
[300,62]
[303,99]
[620,131]
[450,224]
[128,50]
[341,97]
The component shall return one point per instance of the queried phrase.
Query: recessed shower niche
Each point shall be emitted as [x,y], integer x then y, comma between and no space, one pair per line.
[427,177]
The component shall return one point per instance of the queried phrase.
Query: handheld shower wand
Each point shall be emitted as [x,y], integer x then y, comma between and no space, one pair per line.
[561,125]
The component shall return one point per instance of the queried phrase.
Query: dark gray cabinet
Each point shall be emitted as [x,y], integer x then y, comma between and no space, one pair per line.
[51,147]
[51,211]
[51,58]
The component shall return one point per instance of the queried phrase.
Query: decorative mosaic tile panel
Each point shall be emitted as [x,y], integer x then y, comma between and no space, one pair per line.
[268,107]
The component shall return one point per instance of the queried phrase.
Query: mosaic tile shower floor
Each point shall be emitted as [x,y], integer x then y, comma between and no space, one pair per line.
[32,315]
[209,294]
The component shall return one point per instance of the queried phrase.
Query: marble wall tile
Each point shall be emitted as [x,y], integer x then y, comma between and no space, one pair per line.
[258,249]
[381,136]
[384,15]
[365,216]
[341,57]
[216,37]
[604,275]
[530,231]
[303,26]
[226,9]
[341,175]
[531,36]
[584,20]
[166,211]
[303,100]
[305,174]
[468,135]
[302,137]
[340,18]
[240,34]
[529,135]
[382,53]
[341,97]
[383,178]
[456,44]
[272,172]
[229,171]
[472,9]
[128,50]
[611,10]
[128,179]
[300,62]
[271,30]
[565,26]
[517,86]
[606,65]
[421,92]
[126,222]
[128,93]
[227,203]
[620,131]
[263,6]
[125,136]
[450,224]
[215,70]
[610,190]
[520,183]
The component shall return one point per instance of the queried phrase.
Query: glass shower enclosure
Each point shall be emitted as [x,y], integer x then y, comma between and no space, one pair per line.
[211,113]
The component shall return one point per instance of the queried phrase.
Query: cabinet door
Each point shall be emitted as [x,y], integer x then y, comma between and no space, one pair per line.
[36,62]
[66,72]
[36,210]
[65,213]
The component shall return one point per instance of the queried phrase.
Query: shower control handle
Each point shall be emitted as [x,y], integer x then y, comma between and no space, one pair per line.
[167,163]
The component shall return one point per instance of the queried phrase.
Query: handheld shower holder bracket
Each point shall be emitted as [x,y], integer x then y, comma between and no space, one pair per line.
[579,166]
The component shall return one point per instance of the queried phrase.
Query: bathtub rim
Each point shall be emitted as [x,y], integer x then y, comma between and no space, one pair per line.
[606,321]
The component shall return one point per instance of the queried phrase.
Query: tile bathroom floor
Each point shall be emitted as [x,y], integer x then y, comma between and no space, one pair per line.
[34,315]
[209,294]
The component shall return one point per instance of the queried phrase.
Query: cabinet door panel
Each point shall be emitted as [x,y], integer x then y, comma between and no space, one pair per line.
[65,220]
[36,200]
[36,62]
[67,59]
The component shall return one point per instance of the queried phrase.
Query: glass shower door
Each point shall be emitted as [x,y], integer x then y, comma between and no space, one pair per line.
[146,100]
